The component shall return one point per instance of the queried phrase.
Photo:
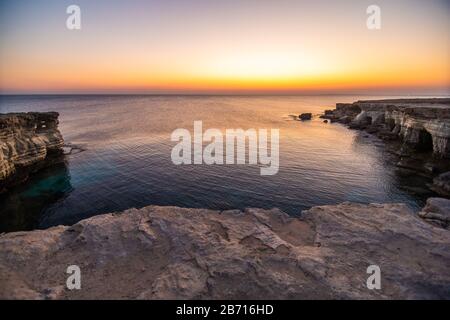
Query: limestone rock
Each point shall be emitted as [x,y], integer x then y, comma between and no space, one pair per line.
[437,210]
[27,140]
[423,124]
[441,184]
[343,112]
[175,253]
[417,131]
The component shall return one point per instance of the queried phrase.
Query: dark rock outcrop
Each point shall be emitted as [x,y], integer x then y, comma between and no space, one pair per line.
[28,142]
[175,253]
[437,211]
[343,112]
[441,184]
[305,116]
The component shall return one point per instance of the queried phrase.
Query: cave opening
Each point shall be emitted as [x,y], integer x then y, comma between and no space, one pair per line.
[425,141]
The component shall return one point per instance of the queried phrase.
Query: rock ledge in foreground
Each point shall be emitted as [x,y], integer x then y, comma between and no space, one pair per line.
[176,253]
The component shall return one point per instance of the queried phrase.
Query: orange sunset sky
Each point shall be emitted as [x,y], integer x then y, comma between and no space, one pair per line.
[224,46]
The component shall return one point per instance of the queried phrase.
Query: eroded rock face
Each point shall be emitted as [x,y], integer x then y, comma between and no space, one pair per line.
[416,132]
[26,141]
[437,211]
[175,253]
[344,112]
[441,184]
[423,124]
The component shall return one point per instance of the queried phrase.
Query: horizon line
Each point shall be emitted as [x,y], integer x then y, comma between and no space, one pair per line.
[222,94]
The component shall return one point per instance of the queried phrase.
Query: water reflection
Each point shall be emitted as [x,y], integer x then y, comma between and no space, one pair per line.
[23,205]
[127,162]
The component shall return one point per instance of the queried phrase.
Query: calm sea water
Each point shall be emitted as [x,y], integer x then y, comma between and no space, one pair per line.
[127,159]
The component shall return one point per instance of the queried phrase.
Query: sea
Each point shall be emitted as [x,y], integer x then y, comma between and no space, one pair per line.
[126,159]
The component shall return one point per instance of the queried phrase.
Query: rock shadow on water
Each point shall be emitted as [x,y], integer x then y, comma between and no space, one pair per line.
[23,206]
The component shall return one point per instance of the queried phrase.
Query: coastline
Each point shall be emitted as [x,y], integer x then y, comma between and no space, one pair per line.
[181,253]
[415,131]
[29,142]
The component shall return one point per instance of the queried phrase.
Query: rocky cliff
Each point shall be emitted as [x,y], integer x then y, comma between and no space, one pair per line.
[27,143]
[417,131]
[176,253]
[423,124]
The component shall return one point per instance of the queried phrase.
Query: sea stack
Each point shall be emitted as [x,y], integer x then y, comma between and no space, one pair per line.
[305,116]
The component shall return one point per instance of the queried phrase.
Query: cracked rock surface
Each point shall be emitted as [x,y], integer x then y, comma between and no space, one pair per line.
[176,253]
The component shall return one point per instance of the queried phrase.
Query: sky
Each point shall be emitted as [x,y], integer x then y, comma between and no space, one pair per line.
[233,46]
